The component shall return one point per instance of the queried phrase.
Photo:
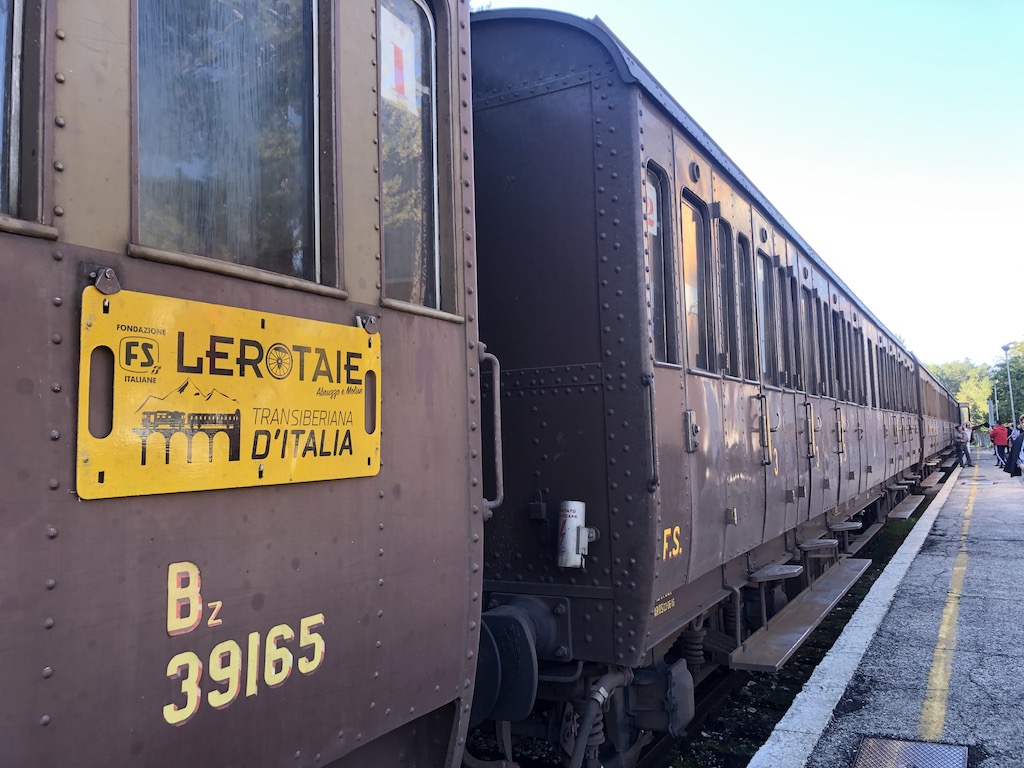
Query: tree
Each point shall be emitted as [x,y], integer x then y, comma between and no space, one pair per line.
[953,375]
[969,383]
[997,376]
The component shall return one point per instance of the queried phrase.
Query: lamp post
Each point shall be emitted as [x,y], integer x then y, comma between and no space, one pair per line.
[1009,382]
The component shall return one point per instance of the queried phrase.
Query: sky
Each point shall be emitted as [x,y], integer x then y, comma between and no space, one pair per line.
[887,132]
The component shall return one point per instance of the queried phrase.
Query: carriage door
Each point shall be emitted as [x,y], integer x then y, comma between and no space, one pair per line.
[820,409]
[665,380]
[775,453]
[806,423]
[790,442]
[702,426]
[740,464]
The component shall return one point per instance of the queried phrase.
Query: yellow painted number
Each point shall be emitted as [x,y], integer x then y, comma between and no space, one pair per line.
[252,675]
[278,665]
[225,667]
[307,637]
[189,669]
[234,674]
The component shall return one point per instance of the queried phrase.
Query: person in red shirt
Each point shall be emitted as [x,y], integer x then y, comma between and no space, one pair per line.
[1000,439]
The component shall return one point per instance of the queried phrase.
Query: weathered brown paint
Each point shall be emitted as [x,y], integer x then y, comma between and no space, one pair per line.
[391,561]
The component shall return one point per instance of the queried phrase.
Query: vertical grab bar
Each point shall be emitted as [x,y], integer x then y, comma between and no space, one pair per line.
[840,431]
[499,466]
[812,446]
[655,481]
[766,431]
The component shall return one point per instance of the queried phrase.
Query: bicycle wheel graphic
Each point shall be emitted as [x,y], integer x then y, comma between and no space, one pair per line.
[279,361]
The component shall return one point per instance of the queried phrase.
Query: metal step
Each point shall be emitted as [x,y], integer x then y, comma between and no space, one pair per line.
[864,538]
[906,507]
[770,647]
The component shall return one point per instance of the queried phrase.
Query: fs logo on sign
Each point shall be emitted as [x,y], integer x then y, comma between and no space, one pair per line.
[140,355]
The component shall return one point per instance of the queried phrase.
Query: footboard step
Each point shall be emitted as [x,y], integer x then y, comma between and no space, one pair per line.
[906,507]
[770,647]
[864,538]
[932,480]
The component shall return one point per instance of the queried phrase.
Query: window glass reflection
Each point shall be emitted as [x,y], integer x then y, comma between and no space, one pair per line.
[226,131]
[408,154]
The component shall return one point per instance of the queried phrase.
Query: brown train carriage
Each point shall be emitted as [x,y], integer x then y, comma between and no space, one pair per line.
[681,368]
[252,208]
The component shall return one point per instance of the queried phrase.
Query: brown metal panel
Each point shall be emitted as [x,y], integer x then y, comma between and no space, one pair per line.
[742,454]
[741,473]
[675,530]
[560,276]
[375,556]
[92,98]
[391,562]
[703,397]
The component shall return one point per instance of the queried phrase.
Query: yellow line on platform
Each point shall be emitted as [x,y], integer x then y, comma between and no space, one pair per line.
[933,711]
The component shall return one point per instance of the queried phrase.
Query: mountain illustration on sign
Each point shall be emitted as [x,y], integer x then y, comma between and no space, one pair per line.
[190,411]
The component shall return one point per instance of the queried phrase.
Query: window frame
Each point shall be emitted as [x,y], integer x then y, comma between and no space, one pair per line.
[25,111]
[701,341]
[764,290]
[747,287]
[656,176]
[730,289]
[325,217]
[447,303]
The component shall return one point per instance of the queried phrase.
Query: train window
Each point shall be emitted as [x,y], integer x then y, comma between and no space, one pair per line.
[848,383]
[876,373]
[699,296]
[811,376]
[856,358]
[8,91]
[825,382]
[786,373]
[21,93]
[883,387]
[837,351]
[862,385]
[729,284]
[792,289]
[856,364]
[884,374]
[408,151]
[851,364]
[766,319]
[890,382]
[226,132]
[746,275]
[663,302]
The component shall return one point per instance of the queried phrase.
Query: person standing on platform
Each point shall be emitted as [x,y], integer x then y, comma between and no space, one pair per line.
[1000,439]
[1013,457]
[958,445]
[968,436]
[961,438]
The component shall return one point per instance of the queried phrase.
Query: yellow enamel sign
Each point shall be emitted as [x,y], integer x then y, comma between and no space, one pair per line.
[208,396]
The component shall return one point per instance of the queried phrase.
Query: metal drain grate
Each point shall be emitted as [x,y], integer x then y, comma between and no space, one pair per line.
[893,753]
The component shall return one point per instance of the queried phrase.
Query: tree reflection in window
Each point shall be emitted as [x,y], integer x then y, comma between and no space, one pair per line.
[6,55]
[226,131]
[408,150]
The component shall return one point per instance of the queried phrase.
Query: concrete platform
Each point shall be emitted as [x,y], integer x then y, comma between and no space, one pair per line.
[933,653]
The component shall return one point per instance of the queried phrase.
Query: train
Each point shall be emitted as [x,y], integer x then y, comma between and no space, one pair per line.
[523,406]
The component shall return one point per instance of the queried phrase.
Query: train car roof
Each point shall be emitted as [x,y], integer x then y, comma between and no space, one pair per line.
[632,71]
